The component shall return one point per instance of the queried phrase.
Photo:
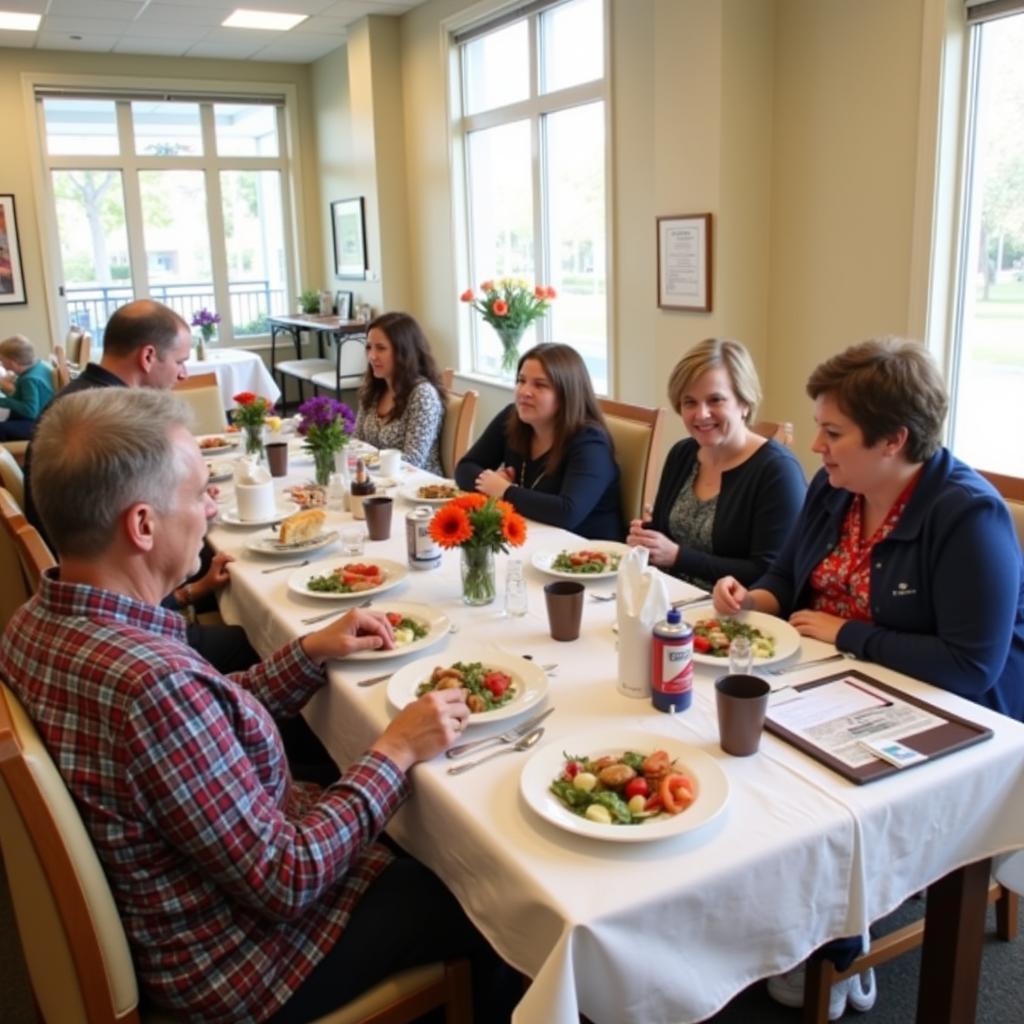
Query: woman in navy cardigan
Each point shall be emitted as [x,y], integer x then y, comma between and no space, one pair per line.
[727,497]
[902,555]
[550,454]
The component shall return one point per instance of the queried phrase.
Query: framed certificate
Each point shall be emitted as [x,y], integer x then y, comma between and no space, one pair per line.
[684,262]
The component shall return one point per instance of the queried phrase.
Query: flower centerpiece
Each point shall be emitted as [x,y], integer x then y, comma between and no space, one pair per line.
[206,320]
[510,305]
[479,526]
[327,425]
[250,413]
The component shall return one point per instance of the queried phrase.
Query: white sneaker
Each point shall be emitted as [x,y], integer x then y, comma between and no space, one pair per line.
[863,991]
[788,989]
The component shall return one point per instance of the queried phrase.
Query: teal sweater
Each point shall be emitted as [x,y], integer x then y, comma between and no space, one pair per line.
[32,393]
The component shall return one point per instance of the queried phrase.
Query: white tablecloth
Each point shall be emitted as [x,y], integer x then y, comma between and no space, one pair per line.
[237,370]
[664,931]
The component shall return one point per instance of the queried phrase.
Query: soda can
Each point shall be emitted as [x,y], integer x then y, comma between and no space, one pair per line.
[672,663]
[424,551]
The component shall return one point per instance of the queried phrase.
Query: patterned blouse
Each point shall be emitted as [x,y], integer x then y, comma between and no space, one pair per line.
[841,582]
[690,522]
[417,432]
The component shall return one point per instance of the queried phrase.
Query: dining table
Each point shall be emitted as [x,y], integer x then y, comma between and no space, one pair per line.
[672,928]
[237,370]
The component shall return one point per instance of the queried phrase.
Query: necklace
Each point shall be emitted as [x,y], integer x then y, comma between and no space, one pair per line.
[536,480]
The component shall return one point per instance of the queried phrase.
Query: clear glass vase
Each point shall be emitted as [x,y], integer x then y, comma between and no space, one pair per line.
[323,465]
[478,578]
[253,439]
[510,338]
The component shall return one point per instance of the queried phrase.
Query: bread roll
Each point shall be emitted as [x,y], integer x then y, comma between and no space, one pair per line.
[305,525]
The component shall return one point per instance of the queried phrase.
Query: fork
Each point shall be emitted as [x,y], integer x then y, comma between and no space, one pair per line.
[336,611]
[290,565]
[517,732]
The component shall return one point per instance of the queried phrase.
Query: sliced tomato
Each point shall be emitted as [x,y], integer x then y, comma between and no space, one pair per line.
[701,644]
[394,618]
[653,803]
[636,787]
[676,792]
[497,682]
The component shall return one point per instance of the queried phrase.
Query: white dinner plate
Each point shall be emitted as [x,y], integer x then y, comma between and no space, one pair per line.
[545,765]
[529,680]
[268,544]
[394,573]
[230,443]
[219,472]
[411,492]
[284,509]
[787,639]
[438,624]
[542,560]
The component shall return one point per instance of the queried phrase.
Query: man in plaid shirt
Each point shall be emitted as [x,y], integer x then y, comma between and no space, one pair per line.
[245,896]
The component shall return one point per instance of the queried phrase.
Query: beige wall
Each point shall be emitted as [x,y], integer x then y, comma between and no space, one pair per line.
[16,172]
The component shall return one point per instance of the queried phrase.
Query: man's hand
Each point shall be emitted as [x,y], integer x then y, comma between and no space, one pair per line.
[216,576]
[357,630]
[7,385]
[424,728]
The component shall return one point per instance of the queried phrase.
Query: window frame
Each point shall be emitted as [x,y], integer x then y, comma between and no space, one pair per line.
[207,93]
[533,109]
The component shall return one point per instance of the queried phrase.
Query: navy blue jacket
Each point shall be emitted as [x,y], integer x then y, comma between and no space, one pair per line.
[757,506]
[581,495]
[947,585]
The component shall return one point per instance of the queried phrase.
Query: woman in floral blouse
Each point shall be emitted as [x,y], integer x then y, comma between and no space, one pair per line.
[400,403]
[902,555]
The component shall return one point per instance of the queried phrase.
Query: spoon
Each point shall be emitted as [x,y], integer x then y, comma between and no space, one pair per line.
[524,744]
[290,565]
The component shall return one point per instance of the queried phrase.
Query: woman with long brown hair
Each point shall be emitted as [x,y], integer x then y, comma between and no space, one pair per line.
[549,453]
[400,403]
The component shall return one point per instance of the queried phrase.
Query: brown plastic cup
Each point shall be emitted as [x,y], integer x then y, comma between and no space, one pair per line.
[378,517]
[277,457]
[742,703]
[565,609]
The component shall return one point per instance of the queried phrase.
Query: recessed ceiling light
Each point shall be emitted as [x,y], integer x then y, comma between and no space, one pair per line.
[242,18]
[19,22]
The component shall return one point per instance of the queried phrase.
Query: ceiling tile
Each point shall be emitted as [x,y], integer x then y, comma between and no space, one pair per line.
[169,14]
[304,50]
[321,26]
[115,9]
[222,50]
[88,43]
[164,47]
[97,26]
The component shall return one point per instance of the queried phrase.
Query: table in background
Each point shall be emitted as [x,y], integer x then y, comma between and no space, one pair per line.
[667,930]
[237,369]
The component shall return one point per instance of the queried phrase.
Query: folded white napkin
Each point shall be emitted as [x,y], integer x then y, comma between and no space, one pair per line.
[249,471]
[642,602]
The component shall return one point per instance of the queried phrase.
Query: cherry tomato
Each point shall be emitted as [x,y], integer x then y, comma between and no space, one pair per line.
[653,804]
[636,787]
[571,770]
[497,682]
[701,644]
[676,793]
[394,618]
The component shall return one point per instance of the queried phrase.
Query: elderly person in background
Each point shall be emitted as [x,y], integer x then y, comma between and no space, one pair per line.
[400,403]
[902,554]
[28,390]
[727,497]
[245,895]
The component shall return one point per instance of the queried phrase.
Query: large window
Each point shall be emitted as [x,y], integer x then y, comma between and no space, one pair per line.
[987,417]
[530,138]
[180,200]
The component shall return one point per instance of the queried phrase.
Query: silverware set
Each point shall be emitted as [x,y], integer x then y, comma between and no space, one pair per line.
[681,603]
[520,745]
[336,611]
[289,565]
[512,735]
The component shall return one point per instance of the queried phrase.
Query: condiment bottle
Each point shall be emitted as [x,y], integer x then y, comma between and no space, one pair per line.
[362,488]
[672,663]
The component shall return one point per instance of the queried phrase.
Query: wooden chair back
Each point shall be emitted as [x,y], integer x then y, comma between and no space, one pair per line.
[459,419]
[12,477]
[61,370]
[781,432]
[636,431]
[35,556]
[15,590]
[201,394]
[78,347]
[1012,490]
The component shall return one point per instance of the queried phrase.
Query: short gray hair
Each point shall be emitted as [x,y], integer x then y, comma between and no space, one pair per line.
[96,453]
[18,349]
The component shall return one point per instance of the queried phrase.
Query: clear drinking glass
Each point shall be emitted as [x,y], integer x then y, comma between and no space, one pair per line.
[741,657]
[515,588]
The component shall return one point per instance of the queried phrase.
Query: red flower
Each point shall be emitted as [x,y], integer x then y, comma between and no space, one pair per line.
[513,529]
[450,526]
[244,398]
[469,502]
[500,307]
[551,293]
[487,286]
[540,292]
[467,295]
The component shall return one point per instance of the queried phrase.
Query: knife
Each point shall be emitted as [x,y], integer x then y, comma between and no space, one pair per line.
[508,736]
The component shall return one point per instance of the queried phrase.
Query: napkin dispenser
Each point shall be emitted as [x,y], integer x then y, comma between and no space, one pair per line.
[642,602]
[254,491]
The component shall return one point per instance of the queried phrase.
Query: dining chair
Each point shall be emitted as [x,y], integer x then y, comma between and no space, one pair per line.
[459,420]
[15,590]
[201,393]
[636,431]
[447,378]
[36,557]
[78,349]
[781,432]
[1012,490]
[75,947]
[12,477]
[61,369]
[346,371]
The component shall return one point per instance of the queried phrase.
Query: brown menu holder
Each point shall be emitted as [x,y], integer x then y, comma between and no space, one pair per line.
[954,734]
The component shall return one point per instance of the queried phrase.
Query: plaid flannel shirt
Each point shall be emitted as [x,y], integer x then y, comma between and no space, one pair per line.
[231,880]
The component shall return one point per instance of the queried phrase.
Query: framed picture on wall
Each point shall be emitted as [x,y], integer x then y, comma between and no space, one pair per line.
[349,238]
[684,262]
[343,305]
[12,278]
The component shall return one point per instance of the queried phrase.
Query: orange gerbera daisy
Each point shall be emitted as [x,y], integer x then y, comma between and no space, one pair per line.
[513,529]
[470,502]
[450,526]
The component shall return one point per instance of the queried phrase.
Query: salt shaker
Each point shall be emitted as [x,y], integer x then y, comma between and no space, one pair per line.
[741,657]
[515,588]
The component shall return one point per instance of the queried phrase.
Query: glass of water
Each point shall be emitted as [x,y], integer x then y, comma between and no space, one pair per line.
[515,588]
[741,657]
